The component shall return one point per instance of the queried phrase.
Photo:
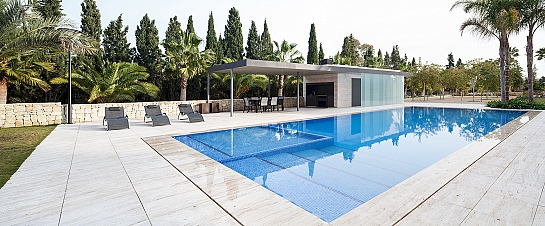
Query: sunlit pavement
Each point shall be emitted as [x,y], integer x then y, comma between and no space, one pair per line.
[82,174]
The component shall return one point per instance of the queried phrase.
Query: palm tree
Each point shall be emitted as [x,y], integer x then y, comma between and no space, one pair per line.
[243,82]
[533,18]
[493,18]
[540,54]
[286,52]
[26,38]
[110,82]
[184,59]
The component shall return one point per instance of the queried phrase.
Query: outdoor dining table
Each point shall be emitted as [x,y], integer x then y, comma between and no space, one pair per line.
[254,101]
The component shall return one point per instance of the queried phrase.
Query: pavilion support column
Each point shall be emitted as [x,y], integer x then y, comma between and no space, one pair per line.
[298,91]
[232,96]
[208,88]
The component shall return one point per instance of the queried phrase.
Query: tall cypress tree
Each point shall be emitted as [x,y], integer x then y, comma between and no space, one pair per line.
[266,43]
[253,43]
[170,89]
[211,40]
[147,47]
[233,36]
[387,61]
[220,50]
[174,31]
[50,8]
[450,59]
[190,29]
[413,62]
[90,19]
[312,55]
[116,46]
[395,58]
[459,63]
[321,55]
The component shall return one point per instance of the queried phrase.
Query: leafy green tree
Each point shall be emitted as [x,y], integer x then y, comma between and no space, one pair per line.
[50,8]
[426,78]
[234,45]
[321,54]
[211,40]
[338,59]
[252,46]
[25,37]
[116,46]
[489,71]
[286,53]
[450,60]
[492,18]
[90,19]
[350,50]
[148,51]
[111,82]
[312,55]
[533,18]
[515,69]
[267,47]
[184,60]
[190,28]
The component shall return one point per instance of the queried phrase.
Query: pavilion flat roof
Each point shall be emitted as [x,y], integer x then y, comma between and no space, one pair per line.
[249,66]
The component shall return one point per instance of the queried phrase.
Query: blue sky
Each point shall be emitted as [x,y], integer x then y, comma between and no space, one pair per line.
[421,28]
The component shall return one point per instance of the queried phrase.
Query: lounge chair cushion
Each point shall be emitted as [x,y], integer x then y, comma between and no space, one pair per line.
[195,117]
[160,120]
[117,123]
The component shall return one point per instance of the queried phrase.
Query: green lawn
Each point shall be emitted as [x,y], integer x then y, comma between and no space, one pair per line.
[16,144]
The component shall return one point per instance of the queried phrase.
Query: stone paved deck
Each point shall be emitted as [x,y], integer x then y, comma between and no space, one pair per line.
[82,174]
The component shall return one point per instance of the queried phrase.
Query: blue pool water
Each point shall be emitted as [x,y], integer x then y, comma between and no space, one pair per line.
[330,166]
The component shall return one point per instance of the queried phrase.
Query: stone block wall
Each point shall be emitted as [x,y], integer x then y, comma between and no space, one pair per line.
[33,114]
[30,114]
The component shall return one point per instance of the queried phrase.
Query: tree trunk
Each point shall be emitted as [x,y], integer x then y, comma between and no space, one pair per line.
[280,85]
[183,86]
[507,67]
[4,90]
[502,71]
[530,62]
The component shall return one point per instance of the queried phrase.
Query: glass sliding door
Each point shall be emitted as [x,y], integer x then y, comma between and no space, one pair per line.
[380,89]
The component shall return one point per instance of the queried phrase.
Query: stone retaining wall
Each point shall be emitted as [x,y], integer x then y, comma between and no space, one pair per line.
[31,114]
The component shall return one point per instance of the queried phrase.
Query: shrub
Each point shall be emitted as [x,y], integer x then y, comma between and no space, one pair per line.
[517,103]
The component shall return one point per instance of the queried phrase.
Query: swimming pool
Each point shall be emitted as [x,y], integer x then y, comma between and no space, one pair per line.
[330,166]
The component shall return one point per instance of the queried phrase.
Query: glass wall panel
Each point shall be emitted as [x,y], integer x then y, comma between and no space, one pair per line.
[381,89]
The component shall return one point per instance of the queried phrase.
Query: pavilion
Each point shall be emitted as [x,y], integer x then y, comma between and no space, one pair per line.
[326,85]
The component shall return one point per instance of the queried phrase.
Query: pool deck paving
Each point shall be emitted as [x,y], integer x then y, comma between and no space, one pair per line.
[83,175]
